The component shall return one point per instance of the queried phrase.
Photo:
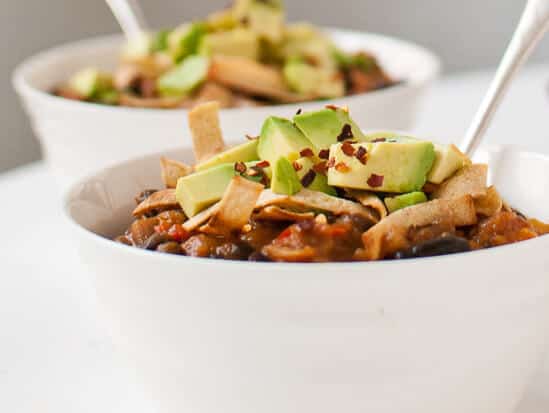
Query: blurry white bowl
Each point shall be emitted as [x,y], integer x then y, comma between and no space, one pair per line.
[453,334]
[78,138]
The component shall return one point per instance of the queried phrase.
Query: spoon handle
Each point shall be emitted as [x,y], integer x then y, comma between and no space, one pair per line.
[533,25]
[130,17]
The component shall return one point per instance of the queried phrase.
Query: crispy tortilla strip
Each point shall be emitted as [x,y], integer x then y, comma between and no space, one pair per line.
[160,200]
[205,131]
[150,103]
[195,222]
[173,170]
[275,213]
[390,234]
[248,76]
[471,180]
[307,200]
[213,92]
[490,203]
[369,200]
[235,208]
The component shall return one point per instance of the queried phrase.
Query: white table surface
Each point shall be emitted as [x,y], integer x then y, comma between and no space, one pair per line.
[54,356]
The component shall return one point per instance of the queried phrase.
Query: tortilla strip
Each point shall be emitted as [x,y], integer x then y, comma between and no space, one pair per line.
[490,203]
[250,77]
[172,171]
[213,92]
[195,222]
[275,213]
[160,200]
[471,180]
[390,234]
[205,131]
[150,103]
[370,200]
[235,208]
[307,200]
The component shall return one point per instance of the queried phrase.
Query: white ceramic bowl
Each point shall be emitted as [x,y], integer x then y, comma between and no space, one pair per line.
[78,138]
[452,334]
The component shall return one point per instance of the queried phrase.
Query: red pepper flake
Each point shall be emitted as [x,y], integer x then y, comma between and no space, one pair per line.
[240,167]
[324,154]
[342,167]
[298,112]
[307,152]
[362,155]
[346,133]
[377,140]
[252,138]
[348,149]
[297,166]
[308,179]
[375,181]
[321,168]
[332,107]
[262,164]
[331,163]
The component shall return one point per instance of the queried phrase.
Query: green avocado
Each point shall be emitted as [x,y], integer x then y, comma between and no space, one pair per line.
[266,20]
[323,127]
[245,152]
[201,189]
[91,83]
[396,167]
[280,139]
[448,161]
[284,179]
[184,40]
[320,182]
[403,201]
[239,42]
[307,79]
[185,77]
[303,40]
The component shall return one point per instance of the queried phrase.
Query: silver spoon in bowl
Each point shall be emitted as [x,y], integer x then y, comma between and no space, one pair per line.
[130,17]
[533,24]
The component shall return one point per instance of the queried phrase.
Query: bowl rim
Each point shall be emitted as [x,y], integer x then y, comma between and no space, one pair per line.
[337,267]
[19,79]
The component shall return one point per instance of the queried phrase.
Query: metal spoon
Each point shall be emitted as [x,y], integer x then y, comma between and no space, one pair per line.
[531,28]
[130,17]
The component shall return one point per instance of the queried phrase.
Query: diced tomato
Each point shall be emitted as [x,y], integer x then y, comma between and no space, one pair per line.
[178,233]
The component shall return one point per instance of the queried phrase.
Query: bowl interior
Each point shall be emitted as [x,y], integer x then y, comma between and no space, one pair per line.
[103,203]
[404,61]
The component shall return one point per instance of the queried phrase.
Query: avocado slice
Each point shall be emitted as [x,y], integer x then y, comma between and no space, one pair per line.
[185,77]
[324,127]
[184,40]
[403,201]
[267,20]
[238,42]
[303,40]
[90,83]
[320,182]
[285,180]
[307,79]
[396,167]
[280,138]
[449,160]
[201,189]
[245,152]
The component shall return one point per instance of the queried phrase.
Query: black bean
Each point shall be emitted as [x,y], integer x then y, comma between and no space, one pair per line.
[445,245]
[258,257]
[170,248]
[155,240]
